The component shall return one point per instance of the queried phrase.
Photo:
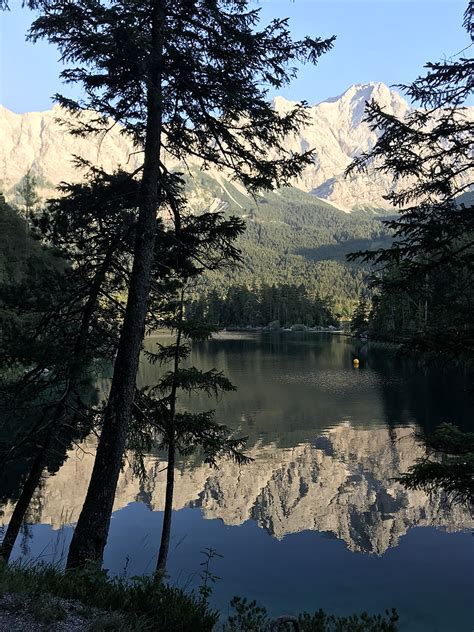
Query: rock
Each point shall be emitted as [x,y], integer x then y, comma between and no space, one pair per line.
[342,483]
[336,131]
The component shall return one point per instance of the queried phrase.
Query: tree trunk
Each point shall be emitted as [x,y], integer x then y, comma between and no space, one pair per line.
[72,377]
[168,513]
[23,502]
[90,535]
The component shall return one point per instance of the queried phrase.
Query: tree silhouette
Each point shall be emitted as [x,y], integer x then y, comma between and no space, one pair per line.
[183,78]
[426,278]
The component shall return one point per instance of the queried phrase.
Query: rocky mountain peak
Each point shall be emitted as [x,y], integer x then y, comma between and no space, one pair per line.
[336,132]
[282,105]
[355,98]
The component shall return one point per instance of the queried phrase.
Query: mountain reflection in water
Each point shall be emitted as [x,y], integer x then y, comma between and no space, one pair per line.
[341,483]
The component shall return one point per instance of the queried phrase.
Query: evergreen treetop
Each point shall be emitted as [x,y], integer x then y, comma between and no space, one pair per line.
[215,70]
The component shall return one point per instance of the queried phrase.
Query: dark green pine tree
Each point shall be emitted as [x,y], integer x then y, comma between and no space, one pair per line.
[256,306]
[185,78]
[28,192]
[197,244]
[68,316]
[426,279]
[449,465]
[360,318]
[184,432]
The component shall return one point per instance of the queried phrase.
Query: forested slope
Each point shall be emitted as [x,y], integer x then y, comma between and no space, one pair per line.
[293,237]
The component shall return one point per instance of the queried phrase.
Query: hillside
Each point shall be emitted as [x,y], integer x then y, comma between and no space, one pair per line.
[21,255]
[294,237]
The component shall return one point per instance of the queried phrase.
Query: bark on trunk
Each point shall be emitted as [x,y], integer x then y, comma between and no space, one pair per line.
[90,535]
[168,513]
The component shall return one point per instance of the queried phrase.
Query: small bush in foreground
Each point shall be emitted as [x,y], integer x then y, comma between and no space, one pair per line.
[250,617]
[145,604]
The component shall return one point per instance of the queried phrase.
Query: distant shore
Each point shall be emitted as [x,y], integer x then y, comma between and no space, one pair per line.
[292,329]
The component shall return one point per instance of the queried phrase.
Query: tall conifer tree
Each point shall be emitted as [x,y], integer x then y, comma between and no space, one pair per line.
[183,78]
[427,276]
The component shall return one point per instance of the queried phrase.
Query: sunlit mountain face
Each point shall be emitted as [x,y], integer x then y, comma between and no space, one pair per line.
[336,130]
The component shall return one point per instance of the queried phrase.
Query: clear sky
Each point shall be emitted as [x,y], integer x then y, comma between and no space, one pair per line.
[377,40]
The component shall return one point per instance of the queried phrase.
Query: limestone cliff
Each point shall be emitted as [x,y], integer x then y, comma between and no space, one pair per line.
[336,131]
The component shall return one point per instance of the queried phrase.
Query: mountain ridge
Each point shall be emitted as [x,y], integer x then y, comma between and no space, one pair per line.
[335,130]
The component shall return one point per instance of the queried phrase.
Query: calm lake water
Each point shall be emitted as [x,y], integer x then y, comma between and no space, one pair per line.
[316,520]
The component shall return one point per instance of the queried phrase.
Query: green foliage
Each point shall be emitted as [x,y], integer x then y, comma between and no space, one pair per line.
[212,89]
[294,238]
[321,622]
[261,305]
[192,379]
[449,465]
[27,191]
[145,605]
[140,600]
[249,617]
[360,318]
[22,257]
[200,432]
[431,313]
[77,276]
[154,426]
[425,280]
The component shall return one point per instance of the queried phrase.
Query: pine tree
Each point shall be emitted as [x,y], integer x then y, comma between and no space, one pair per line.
[426,279]
[193,245]
[74,319]
[449,465]
[360,318]
[186,78]
[429,270]
[184,432]
[27,190]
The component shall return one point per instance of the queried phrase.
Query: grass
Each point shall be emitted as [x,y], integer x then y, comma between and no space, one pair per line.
[142,604]
[139,605]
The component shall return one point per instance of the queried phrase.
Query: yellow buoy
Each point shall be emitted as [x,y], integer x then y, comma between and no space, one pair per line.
[355,363]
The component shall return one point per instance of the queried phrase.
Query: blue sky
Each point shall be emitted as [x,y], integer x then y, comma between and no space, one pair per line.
[377,40]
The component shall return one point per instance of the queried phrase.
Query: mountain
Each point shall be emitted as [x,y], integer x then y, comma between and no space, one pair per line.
[338,133]
[342,483]
[335,130]
[294,237]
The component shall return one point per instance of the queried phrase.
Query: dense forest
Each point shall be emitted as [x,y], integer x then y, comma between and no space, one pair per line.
[261,306]
[21,252]
[292,237]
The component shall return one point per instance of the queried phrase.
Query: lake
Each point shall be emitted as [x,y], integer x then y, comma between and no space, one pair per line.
[316,520]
